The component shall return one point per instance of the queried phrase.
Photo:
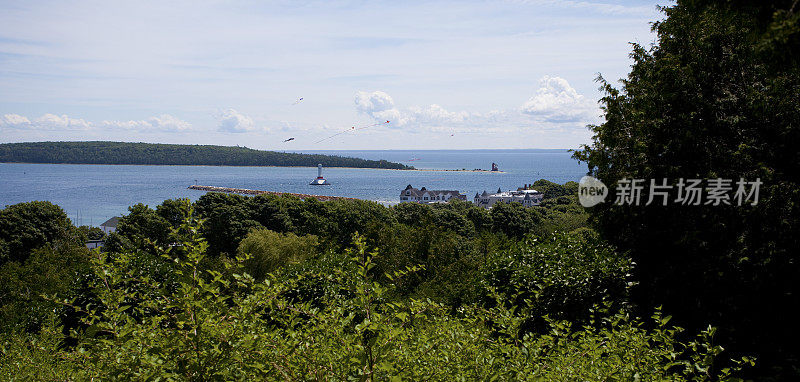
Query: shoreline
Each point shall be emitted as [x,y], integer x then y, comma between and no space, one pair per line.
[267,166]
[203,165]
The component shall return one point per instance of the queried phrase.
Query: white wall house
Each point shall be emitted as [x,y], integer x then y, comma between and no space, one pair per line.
[526,197]
[423,195]
[110,225]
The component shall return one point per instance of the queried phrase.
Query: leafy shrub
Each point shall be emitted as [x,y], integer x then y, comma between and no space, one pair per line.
[268,250]
[48,270]
[563,276]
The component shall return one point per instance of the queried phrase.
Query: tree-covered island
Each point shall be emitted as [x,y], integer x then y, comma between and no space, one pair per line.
[101,152]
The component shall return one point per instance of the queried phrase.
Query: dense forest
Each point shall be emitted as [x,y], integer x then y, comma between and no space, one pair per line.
[164,154]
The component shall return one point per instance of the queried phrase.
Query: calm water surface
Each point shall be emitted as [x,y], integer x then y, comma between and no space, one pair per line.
[90,194]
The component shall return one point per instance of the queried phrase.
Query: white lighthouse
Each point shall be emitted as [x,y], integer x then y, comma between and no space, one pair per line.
[320,181]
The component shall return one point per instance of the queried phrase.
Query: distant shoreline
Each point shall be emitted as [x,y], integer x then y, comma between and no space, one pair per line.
[227,165]
[152,154]
[210,165]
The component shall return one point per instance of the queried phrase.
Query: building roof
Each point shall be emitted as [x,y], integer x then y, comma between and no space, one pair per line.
[111,223]
[419,193]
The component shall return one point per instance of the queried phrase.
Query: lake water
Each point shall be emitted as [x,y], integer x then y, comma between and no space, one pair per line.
[90,194]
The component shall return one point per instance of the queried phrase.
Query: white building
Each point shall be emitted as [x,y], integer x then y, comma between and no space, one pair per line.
[524,196]
[423,195]
[110,225]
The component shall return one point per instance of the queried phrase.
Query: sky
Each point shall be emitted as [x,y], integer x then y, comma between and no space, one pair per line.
[445,75]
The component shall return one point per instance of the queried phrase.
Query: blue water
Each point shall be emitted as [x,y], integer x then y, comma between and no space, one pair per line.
[90,194]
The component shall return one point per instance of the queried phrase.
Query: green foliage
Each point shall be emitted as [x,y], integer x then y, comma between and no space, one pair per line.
[452,240]
[215,327]
[414,214]
[173,211]
[165,154]
[267,251]
[554,190]
[228,220]
[230,217]
[459,217]
[718,96]
[38,357]
[513,219]
[48,270]
[347,217]
[91,233]
[274,212]
[142,228]
[562,277]
[27,226]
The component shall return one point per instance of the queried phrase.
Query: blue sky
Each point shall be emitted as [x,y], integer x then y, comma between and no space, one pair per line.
[461,74]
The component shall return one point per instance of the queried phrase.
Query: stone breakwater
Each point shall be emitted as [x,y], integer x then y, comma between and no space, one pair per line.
[245,191]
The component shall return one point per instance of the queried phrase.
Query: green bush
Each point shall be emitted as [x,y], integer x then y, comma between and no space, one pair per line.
[562,276]
[268,250]
[48,270]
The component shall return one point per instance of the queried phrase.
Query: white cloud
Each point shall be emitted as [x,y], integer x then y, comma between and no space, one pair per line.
[232,121]
[13,120]
[163,122]
[557,101]
[556,104]
[380,106]
[45,122]
[52,122]
[377,101]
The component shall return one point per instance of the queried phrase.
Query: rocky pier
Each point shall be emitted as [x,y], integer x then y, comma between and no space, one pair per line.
[245,191]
